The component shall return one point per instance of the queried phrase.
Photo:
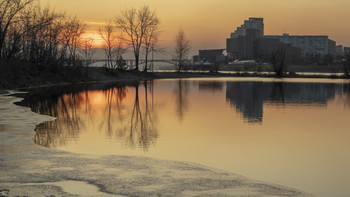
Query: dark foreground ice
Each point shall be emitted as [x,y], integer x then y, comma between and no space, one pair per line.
[27,169]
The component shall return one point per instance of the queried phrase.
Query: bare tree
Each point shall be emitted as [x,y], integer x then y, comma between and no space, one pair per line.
[135,24]
[182,48]
[108,36]
[9,10]
[113,46]
[151,42]
[31,37]
[278,61]
[88,50]
[12,41]
[72,32]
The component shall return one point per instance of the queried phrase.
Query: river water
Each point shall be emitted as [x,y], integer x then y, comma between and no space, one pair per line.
[292,132]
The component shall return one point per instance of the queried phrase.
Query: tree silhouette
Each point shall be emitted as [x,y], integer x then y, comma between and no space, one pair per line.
[9,11]
[278,61]
[136,24]
[113,47]
[182,48]
[151,42]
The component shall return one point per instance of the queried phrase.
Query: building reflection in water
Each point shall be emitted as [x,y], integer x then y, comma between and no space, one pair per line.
[346,95]
[249,97]
[211,86]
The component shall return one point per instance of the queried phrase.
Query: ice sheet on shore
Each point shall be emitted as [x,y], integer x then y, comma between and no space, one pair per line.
[32,170]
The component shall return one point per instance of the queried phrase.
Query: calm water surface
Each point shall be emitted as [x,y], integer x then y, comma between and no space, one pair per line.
[290,132]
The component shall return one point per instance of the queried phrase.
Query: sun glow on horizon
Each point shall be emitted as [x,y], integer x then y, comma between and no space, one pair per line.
[93,28]
[96,38]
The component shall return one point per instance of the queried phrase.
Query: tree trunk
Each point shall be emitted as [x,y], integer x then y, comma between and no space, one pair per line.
[146,60]
[346,71]
[1,45]
[136,62]
[146,63]
[180,66]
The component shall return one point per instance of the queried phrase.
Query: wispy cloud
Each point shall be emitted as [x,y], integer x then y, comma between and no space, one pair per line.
[95,23]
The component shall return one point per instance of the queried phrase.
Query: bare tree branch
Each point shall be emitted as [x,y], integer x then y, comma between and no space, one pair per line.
[9,10]
[182,48]
[135,24]
[113,47]
[72,32]
[278,61]
[151,40]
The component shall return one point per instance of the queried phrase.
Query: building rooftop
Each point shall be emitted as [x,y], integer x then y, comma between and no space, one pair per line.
[286,35]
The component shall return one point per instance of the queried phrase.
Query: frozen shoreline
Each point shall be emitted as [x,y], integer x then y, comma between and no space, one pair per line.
[31,170]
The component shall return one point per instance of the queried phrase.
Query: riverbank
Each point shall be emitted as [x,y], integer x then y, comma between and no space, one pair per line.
[31,170]
[17,76]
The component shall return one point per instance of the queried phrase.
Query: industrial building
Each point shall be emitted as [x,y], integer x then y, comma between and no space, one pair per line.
[210,56]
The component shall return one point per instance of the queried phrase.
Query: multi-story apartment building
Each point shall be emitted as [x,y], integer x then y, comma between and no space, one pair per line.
[309,44]
[339,50]
[249,42]
[346,50]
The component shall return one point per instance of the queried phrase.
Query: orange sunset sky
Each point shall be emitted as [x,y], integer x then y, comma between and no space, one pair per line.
[207,23]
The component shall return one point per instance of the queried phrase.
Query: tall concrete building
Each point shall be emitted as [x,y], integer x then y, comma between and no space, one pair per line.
[253,46]
[249,42]
[252,23]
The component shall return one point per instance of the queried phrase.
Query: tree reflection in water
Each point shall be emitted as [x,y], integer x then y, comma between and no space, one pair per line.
[142,128]
[79,111]
[114,98]
[51,134]
[181,99]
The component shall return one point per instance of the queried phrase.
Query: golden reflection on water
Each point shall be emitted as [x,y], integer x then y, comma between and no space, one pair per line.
[290,133]
[90,118]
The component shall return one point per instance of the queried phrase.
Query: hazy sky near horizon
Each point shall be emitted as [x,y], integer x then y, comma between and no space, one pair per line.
[208,23]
